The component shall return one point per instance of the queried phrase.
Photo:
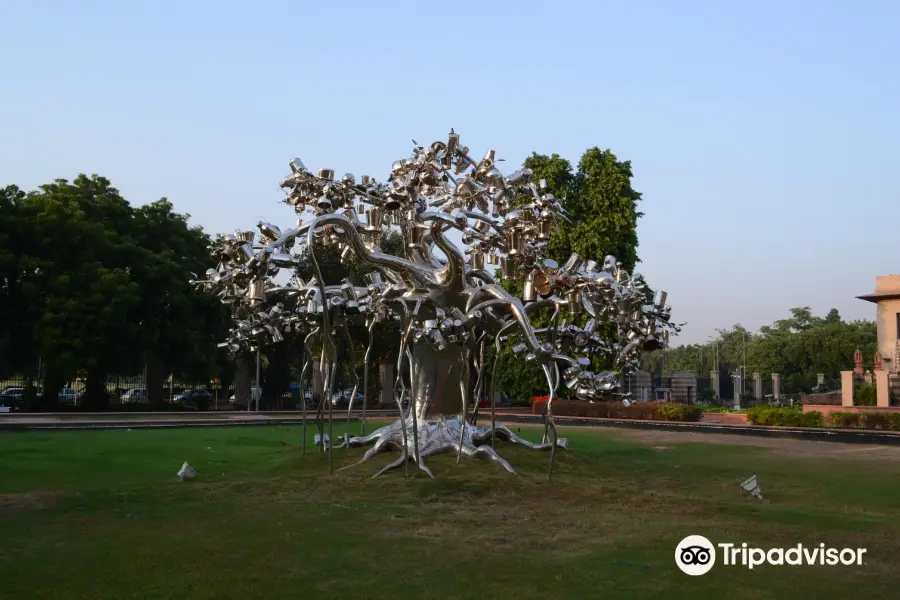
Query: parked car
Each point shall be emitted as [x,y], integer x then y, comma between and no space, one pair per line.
[194,399]
[68,396]
[310,401]
[14,396]
[342,399]
[339,402]
[254,395]
[11,399]
[134,396]
[12,393]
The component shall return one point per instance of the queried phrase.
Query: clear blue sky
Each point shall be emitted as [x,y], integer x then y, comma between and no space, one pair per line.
[764,136]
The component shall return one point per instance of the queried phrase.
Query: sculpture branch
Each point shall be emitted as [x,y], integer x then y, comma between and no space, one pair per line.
[458,304]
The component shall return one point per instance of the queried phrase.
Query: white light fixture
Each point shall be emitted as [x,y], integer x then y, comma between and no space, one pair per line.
[751,486]
[186,472]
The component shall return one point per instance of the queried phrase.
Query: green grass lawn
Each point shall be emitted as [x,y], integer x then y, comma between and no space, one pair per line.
[100,514]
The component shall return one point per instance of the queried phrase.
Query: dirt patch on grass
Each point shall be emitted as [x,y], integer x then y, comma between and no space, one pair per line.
[24,502]
[783,446]
[473,505]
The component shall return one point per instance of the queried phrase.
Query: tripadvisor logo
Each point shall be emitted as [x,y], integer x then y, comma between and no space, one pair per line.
[696,555]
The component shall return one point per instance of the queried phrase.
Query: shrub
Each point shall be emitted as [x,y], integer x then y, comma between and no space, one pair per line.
[610,410]
[811,419]
[714,409]
[869,420]
[705,396]
[842,420]
[663,411]
[865,395]
[789,416]
[672,411]
[760,415]
[876,421]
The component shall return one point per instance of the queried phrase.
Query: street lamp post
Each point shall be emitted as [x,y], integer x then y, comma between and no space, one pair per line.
[738,385]
[716,367]
[744,361]
[256,392]
[716,344]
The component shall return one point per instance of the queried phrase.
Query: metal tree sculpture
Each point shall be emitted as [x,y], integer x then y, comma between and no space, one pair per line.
[449,306]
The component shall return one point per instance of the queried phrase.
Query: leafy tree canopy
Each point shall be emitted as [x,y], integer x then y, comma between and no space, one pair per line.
[92,285]
[798,348]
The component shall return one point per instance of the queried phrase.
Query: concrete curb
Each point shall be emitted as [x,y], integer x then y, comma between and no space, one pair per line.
[210,414]
[146,425]
[116,421]
[844,436]
[34,422]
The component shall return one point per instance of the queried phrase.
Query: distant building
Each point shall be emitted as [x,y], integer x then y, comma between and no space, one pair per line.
[678,387]
[886,297]
[640,386]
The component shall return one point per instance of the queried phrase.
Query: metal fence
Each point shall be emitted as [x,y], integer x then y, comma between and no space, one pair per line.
[123,389]
[131,391]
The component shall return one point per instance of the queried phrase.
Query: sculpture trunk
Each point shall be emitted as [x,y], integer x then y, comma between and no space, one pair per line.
[436,381]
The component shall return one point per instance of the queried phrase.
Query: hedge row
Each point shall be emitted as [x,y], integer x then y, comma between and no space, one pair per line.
[795,417]
[719,409]
[758,415]
[783,416]
[647,411]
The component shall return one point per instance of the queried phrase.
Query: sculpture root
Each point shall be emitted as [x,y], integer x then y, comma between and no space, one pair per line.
[439,437]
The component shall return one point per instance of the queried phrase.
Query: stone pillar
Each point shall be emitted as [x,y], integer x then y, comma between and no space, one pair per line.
[714,384]
[386,380]
[847,388]
[757,387]
[738,386]
[776,386]
[820,378]
[882,389]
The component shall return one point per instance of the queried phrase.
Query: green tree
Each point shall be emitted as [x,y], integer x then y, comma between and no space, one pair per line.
[799,355]
[798,348]
[600,202]
[180,326]
[77,278]
[17,351]
[559,178]
[91,286]
[386,335]
[801,319]
[602,209]
[696,358]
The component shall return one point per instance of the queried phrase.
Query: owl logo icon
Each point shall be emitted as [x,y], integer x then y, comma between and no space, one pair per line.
[695,555]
